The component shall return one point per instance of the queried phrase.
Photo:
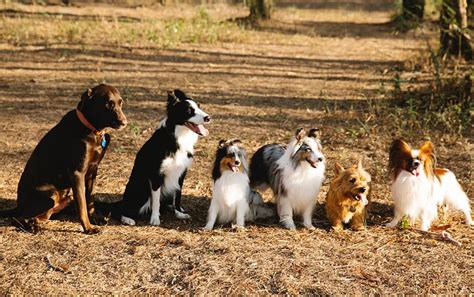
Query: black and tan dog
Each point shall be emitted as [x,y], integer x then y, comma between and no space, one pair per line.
[63,166]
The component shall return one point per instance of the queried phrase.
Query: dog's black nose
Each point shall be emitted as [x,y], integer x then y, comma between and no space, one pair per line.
[362,190]
[237,162]
[416,163]
[320,159]
[207,119]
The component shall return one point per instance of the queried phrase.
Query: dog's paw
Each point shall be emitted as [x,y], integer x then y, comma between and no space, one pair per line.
[155,221]
[239,228]
[207,228]
[98,219]
[92,230]
[337,228]
[392,224]
[127,221]
[359,228]
[182,215]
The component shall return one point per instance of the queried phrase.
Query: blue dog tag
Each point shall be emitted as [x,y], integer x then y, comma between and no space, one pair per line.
[103,142]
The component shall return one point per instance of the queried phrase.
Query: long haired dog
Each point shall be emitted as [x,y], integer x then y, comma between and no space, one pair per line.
[161,164]
[295,175]
[419,187]
[232,198]
[347,197]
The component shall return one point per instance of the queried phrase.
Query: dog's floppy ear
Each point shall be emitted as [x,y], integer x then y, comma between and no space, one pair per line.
[172,99]
[299,134]
[85,96]
[222,143]
[314,133]
[338,168]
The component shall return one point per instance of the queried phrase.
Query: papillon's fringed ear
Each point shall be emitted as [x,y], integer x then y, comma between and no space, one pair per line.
[399,155]
[299,134]
[180,95]
[85,96]
[314,133]
[338,168]
[222,143]
[428,149]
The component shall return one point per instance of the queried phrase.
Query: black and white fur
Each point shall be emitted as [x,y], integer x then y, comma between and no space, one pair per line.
[232,199]
[161,164]
[295,175]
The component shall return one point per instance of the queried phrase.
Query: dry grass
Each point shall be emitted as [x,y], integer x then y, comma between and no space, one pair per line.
[306,70]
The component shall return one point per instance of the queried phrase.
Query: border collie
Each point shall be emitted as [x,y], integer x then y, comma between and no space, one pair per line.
[161,164]
[419,186]
[294,174]
[232,198]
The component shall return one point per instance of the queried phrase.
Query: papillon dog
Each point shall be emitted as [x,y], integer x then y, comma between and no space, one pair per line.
[232,199]
[419,186]
[294,174]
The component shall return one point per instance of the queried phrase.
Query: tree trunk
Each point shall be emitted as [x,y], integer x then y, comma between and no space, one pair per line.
[454,37]
[261,9]
[413,9]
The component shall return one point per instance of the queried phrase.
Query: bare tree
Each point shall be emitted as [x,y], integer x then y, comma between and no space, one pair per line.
[260,9]
[454,38]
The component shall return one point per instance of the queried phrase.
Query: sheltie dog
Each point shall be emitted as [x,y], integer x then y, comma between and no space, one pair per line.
[419,186]
[294,174]
[161,164]
[348,197]
[232,199]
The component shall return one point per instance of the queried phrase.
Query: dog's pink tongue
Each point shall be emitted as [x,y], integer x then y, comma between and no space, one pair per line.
[234,169]
[416,172]
[202,130]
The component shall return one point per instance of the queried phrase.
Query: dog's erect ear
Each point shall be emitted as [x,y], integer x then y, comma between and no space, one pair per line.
[359,164]
[338,168]
[172,99]
[428,150]
[237,142]
[314,133]
[222,143]
[180,95]
[299,134]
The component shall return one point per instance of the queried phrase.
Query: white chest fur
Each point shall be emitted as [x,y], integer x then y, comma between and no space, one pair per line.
[173,167]
[230,190]
[302,185]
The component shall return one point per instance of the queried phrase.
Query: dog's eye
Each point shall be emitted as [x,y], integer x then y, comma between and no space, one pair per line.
[111,104]
[352,180]
[308,150]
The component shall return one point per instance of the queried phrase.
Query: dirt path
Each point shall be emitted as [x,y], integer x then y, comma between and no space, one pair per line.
[319,64]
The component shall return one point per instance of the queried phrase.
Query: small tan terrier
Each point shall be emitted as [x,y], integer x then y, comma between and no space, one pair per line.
[347,197]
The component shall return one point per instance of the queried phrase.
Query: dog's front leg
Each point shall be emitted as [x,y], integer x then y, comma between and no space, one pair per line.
[155,190]
[285,211]
[178,210]
[308,217]
[79,189]
[212,216]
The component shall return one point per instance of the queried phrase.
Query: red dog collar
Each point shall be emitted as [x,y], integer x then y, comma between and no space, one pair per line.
[86,123]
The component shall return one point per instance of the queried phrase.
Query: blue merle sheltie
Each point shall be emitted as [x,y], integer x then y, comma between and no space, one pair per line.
[232,199]
[161,164]
[295,175]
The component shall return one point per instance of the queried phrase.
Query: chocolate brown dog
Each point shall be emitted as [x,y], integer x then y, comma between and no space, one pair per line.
[63,166]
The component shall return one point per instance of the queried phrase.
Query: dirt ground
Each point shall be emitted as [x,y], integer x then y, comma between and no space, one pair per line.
[325,64]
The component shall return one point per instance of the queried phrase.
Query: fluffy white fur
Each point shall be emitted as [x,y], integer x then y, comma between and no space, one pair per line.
[417,197]
[302,185]
[230,202]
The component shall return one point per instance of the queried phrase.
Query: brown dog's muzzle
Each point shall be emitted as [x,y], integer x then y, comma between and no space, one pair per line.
[121,121]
